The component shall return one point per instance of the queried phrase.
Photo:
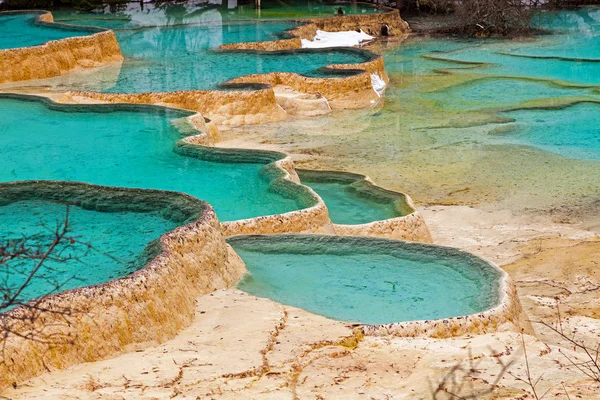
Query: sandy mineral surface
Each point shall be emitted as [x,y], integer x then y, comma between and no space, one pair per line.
[491,200]
[243,347]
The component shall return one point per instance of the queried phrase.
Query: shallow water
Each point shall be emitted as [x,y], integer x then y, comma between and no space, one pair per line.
[21,30]
[126,149]
[346,207]
[180,58]
[117,240]
[366,280]
[496,93]
[202,12]
[571,132]
[445,134]
[179,53]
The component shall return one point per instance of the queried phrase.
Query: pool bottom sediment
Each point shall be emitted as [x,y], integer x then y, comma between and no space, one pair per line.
[349,199]
[148,306]
[389,287]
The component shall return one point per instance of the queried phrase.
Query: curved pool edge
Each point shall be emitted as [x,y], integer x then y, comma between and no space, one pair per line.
[256,104]
[55,57]
[307,29]
[507,311]
[225,107]
[280,169]
[506,314]
[411,226]
[352,91]
[255,101]
[146,307]
[314,218]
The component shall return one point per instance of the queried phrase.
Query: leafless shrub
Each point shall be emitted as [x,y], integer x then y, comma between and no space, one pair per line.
[528,378]
[587,357]
[481,18]
[458,383]
[33,261]
[492,17]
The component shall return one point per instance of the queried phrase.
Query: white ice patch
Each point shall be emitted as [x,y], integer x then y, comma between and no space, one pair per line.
[336,39]
[378,84]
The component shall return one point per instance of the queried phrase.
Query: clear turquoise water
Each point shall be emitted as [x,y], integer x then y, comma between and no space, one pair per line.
[21,30]
[585,19]
[201,12]
[180,58]
[571,132]
[548,69]
[118,240]
[347,207]
[571,54]
[366,280]
[179,54]
[500,92]
[411,57]
[127,149]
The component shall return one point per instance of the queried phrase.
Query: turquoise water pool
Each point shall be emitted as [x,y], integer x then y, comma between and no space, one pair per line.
[118,242]
[373,281]
[346,207]
[571,131]
[184,57]
[351,200]
[168,60]
[180,54]
[22,30]
[134,15]
[128,148]
[499,92]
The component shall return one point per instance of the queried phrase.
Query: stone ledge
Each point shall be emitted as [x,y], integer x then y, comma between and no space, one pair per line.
[146,307]
[58,56]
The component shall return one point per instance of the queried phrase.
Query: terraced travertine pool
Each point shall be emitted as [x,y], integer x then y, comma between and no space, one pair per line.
[499,111]
[181,53]
[121,243]
[366,280]
[351,200]
[22,30]
[134,148]
[518,134]
[346,207]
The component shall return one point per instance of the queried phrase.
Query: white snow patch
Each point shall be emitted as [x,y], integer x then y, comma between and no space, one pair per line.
[336,39]
[378,84]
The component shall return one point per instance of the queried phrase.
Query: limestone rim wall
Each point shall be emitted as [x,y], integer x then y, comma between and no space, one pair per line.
[369,23]
[354,90]
[58,56]
[223,107]
[146,307]
[281,172]
[312,219]
[410,225]
[254,105]
[507,312]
